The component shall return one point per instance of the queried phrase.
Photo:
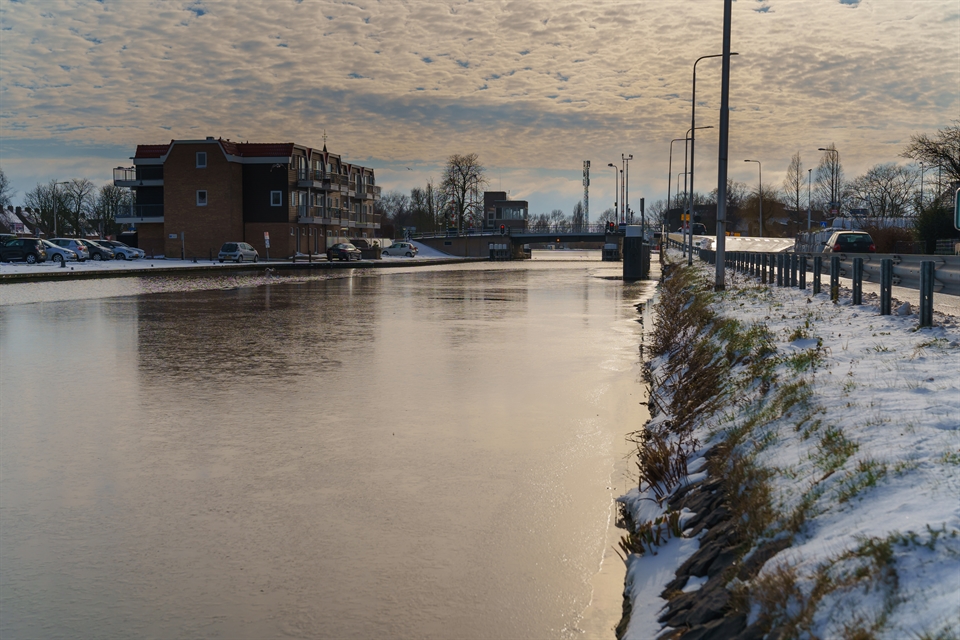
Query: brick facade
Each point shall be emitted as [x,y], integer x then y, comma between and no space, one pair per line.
[294,192]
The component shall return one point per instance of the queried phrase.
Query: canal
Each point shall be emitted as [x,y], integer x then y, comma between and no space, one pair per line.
[418,453]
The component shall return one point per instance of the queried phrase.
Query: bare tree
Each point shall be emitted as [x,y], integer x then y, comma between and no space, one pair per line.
[829,189]
[428,207]
[464,182]
[749,212]
[110,200]
[540,222]
[793,188]
[558,220]
[80,194]
[40,201]
[886,190]
[608,215]
[576,221]
[6,190]
[656,213]
[942,149]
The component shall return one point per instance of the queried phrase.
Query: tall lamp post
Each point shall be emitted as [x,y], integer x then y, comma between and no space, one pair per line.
[921,185]
[834,190]
[759,193]
[670,170]
[693,129]
[809,178]
[616,189]
[626,187]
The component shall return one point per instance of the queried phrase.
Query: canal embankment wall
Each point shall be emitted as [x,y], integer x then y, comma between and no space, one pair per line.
[793,478]
[148,267]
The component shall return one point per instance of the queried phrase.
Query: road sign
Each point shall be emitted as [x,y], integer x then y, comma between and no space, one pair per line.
[266,239]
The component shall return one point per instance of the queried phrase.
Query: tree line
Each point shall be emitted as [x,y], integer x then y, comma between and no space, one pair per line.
[74,207]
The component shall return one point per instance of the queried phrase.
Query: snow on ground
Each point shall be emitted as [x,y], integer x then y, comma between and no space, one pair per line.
[891,391]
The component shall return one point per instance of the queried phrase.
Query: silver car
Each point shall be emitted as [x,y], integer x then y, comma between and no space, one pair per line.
[238,252]
[59,254]
[401,249]
[77,246]
[122,251]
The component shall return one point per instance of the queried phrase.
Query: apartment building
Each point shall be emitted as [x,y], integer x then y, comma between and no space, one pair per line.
[191,196]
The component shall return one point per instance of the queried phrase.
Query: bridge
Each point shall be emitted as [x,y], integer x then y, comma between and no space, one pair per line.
[477,243]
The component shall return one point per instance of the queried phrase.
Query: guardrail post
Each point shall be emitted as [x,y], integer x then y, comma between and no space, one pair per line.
[753,265]
[793,269]
[763,268]
[886,285]
[834,278]
[803,272]
[817,268]
[780,257]
[926,293]
[857,280]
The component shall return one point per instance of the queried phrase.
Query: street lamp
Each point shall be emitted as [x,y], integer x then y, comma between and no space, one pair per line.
[921,185]
[693,128]
[616,188]
[809,178]
[626,187]
[689,137]
[55,201]
[834,187]
[760,193]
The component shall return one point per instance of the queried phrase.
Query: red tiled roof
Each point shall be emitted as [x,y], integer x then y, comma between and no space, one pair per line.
[151,150]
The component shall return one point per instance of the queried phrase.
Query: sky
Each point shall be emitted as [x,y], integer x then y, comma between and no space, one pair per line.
[533,87]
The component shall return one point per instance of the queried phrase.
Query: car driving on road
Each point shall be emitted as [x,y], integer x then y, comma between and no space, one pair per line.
[850,242]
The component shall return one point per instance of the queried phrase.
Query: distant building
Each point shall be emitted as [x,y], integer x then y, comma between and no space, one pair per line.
[214,191]
[498,209]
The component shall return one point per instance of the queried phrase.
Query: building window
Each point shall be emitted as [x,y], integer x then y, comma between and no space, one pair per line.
[202,198]
[201,159]
[276,198]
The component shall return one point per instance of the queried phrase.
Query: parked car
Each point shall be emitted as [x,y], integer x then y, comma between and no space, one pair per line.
[401,249]
[122,251]
[79,247]
[30,250]
[238,252]
[343,251]
[59,254]
[850,242]
[98,250]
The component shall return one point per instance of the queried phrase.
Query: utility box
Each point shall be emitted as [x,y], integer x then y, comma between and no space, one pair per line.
[636,254]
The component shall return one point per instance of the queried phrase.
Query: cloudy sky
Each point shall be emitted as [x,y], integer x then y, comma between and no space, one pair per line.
[533,87]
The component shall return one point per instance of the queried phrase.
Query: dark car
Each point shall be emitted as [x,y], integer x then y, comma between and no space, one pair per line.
[343,251]
[850,242]
[99,251]
[30,250]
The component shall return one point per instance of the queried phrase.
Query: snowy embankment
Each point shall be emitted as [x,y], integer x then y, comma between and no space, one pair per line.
[801,474]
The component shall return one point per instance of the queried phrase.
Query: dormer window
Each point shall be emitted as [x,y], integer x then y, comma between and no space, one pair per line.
[201,159]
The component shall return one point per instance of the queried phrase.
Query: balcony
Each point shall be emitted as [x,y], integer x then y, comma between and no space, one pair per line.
[141,214]
[127,177]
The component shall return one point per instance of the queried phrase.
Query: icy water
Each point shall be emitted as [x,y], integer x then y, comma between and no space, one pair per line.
[425,453]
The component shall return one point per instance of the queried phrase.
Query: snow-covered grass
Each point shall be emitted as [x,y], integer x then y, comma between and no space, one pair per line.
[841,433]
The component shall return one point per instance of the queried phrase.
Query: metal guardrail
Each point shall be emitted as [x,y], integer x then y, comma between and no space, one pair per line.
[906,268]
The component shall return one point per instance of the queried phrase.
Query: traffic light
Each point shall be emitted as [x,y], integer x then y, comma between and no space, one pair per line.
[611,226]
[503,229]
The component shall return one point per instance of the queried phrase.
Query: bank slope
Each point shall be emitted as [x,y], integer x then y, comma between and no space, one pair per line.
[801,476]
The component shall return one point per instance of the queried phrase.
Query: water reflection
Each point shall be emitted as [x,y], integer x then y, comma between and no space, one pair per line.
[423,454]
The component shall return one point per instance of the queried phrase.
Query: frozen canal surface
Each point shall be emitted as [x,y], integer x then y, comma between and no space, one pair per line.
[422,454]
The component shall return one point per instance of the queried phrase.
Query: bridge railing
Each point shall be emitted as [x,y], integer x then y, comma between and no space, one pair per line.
[560,232]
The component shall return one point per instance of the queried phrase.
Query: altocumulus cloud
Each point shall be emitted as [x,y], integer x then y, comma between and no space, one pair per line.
[524,83]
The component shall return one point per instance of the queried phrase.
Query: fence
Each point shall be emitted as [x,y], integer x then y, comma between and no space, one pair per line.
[928,274]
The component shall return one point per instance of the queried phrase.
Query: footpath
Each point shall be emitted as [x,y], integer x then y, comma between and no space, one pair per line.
[801,471]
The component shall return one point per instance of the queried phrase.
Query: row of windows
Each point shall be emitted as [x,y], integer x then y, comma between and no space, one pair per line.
[301,163]
[297,198]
